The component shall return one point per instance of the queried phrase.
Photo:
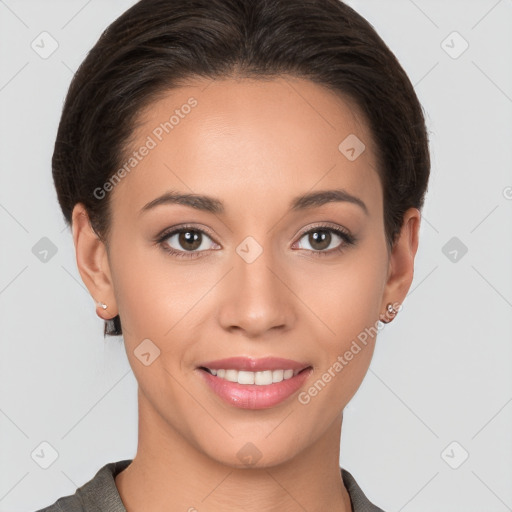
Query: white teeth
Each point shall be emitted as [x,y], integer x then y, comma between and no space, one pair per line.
[277,375]
[262,378]
[266,377]
[231,375]
[243,377]
[288,374]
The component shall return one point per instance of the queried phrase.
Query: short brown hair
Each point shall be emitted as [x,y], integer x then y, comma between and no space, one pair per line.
[156,44]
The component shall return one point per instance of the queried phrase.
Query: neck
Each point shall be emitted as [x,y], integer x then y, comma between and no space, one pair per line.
[171,473]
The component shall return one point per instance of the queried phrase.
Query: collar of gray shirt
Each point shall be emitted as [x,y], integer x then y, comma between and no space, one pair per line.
[100,493]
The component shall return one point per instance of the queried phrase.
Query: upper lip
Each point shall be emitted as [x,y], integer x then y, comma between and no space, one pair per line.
[255,365]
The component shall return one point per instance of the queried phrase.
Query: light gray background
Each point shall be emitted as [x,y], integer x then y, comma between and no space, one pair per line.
[441,371]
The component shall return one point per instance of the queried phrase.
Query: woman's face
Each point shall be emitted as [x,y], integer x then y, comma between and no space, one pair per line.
[253,276]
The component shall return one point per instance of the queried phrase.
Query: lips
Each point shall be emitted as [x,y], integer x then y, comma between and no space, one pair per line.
[254,396]
[253,389]
[254,365]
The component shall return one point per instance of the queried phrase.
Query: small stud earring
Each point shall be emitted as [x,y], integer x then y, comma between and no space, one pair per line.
[101,305]
[391,309]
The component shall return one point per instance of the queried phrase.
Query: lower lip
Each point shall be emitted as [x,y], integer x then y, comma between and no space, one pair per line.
[252,396]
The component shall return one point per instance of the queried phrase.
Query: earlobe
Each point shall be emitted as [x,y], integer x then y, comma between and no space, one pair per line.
[401,264]
[92,262]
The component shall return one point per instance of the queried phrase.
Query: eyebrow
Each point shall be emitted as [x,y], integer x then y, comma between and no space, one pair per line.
[213,205]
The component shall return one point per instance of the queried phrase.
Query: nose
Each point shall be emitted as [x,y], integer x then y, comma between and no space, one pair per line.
[255,298]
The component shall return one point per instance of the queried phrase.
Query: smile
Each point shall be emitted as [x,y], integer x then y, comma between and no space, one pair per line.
[254,390]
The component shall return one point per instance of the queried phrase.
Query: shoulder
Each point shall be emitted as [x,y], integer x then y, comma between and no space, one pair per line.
[360,503]
[97,495]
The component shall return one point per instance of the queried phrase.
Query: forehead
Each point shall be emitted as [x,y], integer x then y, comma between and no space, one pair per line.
[243,139]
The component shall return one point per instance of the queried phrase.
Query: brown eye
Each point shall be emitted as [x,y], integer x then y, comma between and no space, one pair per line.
[186,239]
[186,242]
[189,240]
[324,240]
[319,239]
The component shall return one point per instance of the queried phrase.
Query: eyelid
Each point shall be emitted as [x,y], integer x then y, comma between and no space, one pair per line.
[169,231]
[347,238]
[166,233]
[327,225]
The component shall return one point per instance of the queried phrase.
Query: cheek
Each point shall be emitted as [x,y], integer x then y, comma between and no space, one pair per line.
[339,298]
[344,299]
[348,305]
[141,287]
[157,297]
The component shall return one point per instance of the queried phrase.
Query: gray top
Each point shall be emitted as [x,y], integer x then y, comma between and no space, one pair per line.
[100,493]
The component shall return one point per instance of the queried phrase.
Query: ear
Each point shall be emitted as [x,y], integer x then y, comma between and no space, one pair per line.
[401,262]
[92,262]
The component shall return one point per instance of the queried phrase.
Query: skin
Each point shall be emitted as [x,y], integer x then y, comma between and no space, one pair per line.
[254,145]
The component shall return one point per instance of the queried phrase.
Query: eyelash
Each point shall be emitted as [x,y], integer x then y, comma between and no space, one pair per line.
[347,238]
